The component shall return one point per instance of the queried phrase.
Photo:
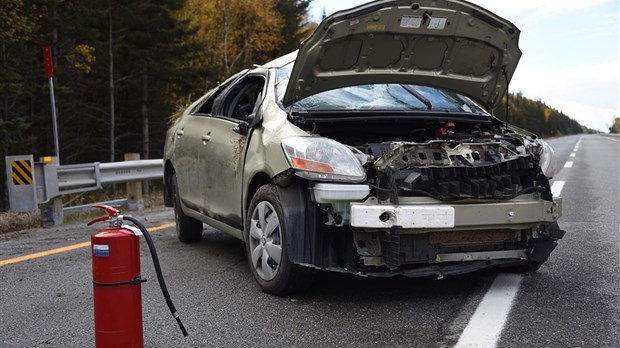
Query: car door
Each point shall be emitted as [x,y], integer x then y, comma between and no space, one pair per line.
[222,150]
[188,137]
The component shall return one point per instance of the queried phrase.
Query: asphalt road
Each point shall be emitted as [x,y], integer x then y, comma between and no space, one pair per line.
[573,300]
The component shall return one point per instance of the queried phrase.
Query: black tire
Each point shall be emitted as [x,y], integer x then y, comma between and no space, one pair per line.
[189,230]
[267,250]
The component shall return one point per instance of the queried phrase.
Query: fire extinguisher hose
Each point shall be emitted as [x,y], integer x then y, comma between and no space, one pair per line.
[160,277]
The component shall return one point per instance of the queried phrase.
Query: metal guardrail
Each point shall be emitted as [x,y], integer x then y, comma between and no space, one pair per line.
[41,185]
[87,177]
[89,207]
[55,180]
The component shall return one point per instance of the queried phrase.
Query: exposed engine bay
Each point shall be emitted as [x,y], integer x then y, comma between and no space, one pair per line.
[440,159]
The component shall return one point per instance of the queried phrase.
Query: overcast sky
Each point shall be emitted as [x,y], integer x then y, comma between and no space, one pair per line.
[570,51]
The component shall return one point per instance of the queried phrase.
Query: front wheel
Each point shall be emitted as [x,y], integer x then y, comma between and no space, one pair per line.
[266,233]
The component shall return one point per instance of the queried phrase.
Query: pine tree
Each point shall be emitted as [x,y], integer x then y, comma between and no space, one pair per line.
[293,14]
[16,27]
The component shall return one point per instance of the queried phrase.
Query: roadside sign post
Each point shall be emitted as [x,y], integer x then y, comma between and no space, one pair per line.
[50,207]
[51,212]
[49,74]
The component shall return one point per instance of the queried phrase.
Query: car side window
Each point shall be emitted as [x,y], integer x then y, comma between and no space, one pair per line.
[206,107]
[244,99]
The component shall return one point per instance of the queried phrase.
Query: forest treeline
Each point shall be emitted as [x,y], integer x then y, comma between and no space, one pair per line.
[537,117]
[122,67]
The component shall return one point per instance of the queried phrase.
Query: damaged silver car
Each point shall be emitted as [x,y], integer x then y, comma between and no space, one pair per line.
[370,151]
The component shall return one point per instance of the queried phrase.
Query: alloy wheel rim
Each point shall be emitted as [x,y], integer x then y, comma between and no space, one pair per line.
[265,241]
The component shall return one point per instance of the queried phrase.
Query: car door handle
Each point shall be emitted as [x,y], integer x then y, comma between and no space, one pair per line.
[206,137]
[180,133]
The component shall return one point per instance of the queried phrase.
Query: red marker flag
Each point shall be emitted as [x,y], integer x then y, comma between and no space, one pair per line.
[47,61]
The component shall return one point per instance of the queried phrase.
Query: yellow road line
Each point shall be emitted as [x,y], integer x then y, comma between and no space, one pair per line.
[161,227]
[64,249]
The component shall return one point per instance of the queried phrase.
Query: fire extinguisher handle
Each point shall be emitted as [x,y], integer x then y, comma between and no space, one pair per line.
[112,213]
[99,219]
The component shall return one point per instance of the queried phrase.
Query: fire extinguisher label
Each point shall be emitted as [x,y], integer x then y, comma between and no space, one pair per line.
[101,250]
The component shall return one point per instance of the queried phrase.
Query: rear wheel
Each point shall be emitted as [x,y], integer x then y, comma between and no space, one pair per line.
[189,230]
[266,233]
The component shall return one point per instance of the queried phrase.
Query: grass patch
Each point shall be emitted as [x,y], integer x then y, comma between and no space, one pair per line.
[10,222]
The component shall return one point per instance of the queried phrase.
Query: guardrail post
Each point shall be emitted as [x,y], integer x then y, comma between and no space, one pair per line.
[51,211]
[134,189]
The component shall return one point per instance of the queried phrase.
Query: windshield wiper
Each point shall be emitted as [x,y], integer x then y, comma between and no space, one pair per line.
[429,105]
[297,116]
[472,106]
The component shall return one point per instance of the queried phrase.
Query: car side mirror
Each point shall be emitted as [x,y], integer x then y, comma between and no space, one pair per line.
[242,128]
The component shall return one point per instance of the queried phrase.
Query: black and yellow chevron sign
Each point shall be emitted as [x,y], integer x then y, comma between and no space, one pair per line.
[21,171]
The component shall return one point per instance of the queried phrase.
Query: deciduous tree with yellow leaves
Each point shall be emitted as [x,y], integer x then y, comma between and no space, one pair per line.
[235,33]
[615,127]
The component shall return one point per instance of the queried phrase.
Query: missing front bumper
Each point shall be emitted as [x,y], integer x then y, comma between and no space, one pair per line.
[424,216]
[420,233]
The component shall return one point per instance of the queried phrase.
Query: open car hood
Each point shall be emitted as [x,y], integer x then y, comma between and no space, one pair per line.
[452,45]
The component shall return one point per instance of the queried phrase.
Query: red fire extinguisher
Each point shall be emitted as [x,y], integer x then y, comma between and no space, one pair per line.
[116,284]
[116,281]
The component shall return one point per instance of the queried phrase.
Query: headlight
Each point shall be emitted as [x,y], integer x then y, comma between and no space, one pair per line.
[322,159]
[547,159]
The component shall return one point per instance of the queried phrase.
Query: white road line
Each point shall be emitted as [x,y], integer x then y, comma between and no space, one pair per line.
[609,138]
[556,188]
[485,326]
[577,144]
[573,154]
